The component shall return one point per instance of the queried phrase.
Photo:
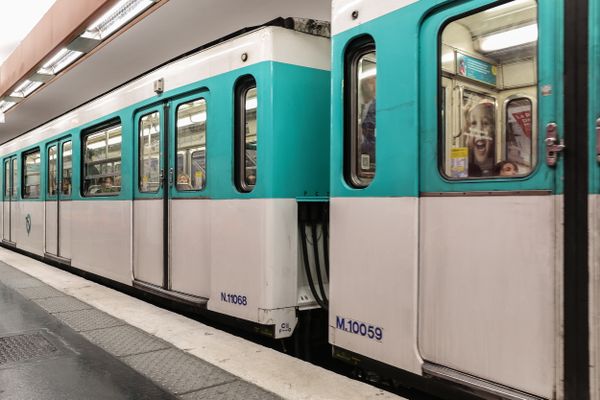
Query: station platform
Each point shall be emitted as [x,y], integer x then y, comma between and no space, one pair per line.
[64,337]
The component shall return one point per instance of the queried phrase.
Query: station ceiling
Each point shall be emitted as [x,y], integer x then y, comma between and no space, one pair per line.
[174,28]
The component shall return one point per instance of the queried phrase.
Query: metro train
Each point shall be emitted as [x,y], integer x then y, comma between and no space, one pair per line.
[407,174]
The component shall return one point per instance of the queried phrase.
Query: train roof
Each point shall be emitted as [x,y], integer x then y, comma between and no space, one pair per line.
[292,41]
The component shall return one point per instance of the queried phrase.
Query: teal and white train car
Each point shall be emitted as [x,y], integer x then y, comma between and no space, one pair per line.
[457,250]
[185,181]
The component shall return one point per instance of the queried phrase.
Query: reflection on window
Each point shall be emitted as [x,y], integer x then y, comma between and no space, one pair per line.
[101,162]
[149,145]
[191,145]
[31,175]
[360,109]
[488,68]
[67,169]
[52,175]
[246,134]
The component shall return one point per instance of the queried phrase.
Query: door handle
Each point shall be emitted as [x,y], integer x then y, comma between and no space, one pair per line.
[161,178]
[170,177]
[553,144]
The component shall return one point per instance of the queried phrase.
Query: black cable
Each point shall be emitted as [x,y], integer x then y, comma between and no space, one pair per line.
[311,284]
[325,229]
[318,263]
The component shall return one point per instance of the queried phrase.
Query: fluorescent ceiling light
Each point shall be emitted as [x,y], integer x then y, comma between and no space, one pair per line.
[509,5]
[368,73]
[448,57]
[510,38]
[26,88]
[60,61]
[122,12]
[6,105]
[251,103]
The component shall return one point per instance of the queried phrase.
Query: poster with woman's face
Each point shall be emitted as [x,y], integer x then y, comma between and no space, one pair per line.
[479,130]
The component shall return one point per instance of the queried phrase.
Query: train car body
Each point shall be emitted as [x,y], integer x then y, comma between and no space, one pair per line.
[447,192]
[185,182]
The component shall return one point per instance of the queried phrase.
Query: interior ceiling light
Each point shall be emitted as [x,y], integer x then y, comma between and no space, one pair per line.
[121,13]
[508,5]
[26,88]
[60,61]
[510,38]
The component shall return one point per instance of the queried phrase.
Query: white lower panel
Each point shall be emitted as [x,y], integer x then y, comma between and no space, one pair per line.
[190,246]
[487,288]
[594,229]
[101,238]
[6,220]
[148,240]
[51,228]
[373,245]
[64,229]
[31,239]
[254,258]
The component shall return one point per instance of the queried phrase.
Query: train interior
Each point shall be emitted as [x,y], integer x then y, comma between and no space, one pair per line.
[488,98]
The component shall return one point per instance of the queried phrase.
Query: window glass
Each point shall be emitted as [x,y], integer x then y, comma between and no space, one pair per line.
[191,145]
[15,178]
[101,162]
[489,73]
[31,175]
[246,134]
[52,175]
[67,169]
[360,106]
[250,139]
[149,162]
[6,179]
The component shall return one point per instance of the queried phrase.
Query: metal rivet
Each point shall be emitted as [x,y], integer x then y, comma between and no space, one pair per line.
[244,57]
[354,14]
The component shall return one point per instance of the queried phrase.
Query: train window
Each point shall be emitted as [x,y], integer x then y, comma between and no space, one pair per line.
[31,175]
[67,169]
[191,145]
[149,155]
[15,178]
[246,138]
[6,179]
[101,161]
[360,112]
[52,169]
[488,67]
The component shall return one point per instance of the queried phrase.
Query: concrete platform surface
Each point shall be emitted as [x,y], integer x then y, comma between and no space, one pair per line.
[183,357]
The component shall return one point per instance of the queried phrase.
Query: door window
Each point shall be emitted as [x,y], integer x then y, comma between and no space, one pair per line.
[490,58]
[191,146]
[149,154]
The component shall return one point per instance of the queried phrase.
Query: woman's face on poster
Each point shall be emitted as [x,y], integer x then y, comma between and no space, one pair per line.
[481,127]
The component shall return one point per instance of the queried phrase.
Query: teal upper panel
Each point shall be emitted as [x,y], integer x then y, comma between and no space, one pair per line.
[293,134]
[594,92]
[407,101]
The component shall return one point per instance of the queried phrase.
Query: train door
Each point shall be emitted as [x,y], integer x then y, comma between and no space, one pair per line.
[491,197]
[150,205]
[59,171]
[170,220]
[10,197]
